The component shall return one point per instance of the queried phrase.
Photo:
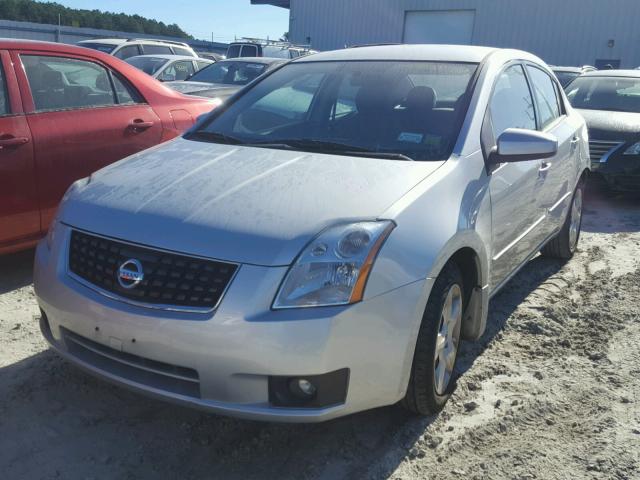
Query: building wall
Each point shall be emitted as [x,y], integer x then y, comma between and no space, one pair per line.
[53,33]
[562,32]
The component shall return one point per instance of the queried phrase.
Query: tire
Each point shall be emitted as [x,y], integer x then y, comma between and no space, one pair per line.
[565,243]
[428,391]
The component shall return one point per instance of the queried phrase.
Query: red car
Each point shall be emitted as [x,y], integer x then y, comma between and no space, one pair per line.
[65,112]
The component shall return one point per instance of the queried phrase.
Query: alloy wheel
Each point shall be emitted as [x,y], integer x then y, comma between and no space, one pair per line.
[448,339]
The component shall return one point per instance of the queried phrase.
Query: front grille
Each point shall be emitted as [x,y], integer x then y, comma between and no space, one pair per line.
[170,279]
[163,376]
[598,148]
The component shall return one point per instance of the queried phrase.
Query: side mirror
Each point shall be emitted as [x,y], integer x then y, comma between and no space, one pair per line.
[519,145]
[167,77]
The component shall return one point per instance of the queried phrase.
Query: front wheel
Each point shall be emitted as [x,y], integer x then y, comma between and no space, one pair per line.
[565,243]
[434,360]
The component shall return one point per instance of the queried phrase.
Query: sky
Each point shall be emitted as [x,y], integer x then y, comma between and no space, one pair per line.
[225,19]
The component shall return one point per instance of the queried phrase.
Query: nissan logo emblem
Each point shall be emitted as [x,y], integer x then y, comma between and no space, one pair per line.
[130,274]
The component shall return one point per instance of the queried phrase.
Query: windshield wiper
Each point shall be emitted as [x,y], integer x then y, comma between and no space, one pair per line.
[329,147]
[320,145]
[383,155]
[215,137]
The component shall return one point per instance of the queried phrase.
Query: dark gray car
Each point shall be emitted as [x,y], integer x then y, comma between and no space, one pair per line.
[610,103]
[224,78]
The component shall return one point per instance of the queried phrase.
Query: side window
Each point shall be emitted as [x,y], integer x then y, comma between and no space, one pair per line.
[66,83]
[126,94]
[233,51]
[182,51]
[127,51]
[249,51]
[511,104]
[156,50]
[4,97]
[202,65]
[546,96]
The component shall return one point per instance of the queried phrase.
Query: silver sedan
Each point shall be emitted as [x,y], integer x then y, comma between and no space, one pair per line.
[321,244]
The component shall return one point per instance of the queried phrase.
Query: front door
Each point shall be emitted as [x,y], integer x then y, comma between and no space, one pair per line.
[83,117]
[19,214]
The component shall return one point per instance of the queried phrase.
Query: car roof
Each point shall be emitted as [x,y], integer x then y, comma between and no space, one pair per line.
[172,57]
[265,60]
[448,53]
[566,69]
[613,73]
[106,41]
[18,43]
[120,41]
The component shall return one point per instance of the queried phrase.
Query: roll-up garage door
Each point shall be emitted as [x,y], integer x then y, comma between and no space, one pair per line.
[442,26]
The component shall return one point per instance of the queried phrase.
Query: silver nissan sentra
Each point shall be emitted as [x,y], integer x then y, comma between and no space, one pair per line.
[322,242]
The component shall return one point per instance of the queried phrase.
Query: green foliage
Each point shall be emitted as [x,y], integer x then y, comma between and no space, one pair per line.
[47,12]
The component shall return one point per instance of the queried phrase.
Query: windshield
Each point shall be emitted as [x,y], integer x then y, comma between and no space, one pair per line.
[101,47]
[617,94]
[230,73]
[565,77]
[407,109]
[148,65]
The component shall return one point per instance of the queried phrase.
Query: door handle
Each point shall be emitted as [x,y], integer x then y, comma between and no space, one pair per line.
[138,124]
[544,167]
[10,141]
[574,143]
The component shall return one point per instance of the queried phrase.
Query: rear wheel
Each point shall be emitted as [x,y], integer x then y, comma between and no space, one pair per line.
[565,243]
[434,360]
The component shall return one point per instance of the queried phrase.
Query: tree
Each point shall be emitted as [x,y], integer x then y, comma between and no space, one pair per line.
[47,12]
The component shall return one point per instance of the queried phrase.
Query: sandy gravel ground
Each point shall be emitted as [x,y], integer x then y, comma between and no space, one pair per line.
[552,391]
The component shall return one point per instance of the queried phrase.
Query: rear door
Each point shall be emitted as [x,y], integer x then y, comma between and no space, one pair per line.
[514,214]
[19,213]
[83,116]
[555,175]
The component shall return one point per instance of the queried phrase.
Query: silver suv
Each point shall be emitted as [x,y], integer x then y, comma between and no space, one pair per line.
[132,47]
[320,244]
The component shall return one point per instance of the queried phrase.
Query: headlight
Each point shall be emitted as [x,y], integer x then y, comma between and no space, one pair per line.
[633,149]
[333,269]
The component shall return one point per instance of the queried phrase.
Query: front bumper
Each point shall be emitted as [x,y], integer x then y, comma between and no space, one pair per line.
[234,350]
[621,172]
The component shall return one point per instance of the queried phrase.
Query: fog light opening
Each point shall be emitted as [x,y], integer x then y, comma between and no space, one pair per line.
[309,391]
[302,388]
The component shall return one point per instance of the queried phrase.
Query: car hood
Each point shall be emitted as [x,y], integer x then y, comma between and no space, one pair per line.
[606,125]
[190,87]
[242,204]
[222,93]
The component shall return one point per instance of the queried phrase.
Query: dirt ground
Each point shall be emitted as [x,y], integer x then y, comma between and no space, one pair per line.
[552,391]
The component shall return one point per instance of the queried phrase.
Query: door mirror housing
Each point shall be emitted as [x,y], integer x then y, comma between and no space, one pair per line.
[519,145]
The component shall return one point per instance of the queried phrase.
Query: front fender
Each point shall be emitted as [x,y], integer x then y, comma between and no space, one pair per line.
[448,211]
